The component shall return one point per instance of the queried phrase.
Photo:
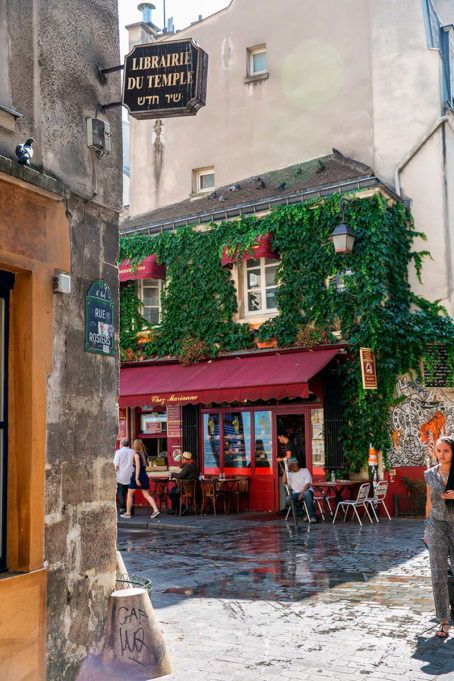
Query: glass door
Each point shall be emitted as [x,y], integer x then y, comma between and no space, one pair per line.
[6,284]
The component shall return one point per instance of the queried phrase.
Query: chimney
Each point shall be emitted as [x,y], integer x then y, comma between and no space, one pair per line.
[145,8]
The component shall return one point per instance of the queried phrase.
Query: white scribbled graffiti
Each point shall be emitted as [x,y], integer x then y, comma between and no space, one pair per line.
[416,423]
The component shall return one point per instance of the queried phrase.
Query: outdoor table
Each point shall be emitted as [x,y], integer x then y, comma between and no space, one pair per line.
[337,487]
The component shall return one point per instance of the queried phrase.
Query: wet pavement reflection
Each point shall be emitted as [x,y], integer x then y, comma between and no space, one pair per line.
[231,593]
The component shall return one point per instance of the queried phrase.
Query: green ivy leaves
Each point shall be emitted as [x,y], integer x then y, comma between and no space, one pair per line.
[377,309]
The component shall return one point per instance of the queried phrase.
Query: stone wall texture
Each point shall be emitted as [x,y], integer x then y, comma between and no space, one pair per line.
[49,73]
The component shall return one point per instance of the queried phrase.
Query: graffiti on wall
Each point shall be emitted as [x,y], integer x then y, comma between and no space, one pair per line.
[418,421]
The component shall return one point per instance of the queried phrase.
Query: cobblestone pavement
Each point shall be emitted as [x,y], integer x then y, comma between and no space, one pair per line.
[256,600]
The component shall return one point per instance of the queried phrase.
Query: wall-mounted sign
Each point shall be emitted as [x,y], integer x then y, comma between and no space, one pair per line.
[163,80]
[438,375]
[123,424]
[368,369]
[173,421]
[99,320]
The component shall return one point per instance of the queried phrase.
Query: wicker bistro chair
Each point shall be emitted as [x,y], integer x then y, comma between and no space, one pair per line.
[212,490]
[379,498]
[161,487]
[188,491]
[361,500]
[240,488]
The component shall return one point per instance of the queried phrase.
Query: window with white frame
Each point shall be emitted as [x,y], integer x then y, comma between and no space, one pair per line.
[260,286]
[257,60]
[204,180]
[150,295]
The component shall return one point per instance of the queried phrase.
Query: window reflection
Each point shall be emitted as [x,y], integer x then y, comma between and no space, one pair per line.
[237,440]
[211,441]
[263,442]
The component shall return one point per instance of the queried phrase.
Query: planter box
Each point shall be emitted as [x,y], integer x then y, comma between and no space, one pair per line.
[267,344]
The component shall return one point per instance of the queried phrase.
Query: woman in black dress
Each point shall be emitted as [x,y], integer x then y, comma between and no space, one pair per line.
[139,480]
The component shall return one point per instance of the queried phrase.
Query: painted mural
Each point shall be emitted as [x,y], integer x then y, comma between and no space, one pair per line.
[418,421]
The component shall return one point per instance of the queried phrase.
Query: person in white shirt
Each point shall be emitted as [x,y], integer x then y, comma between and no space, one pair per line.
[124,465]
[300,481]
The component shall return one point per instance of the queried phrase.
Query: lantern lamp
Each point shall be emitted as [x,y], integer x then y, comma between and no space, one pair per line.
[343,236]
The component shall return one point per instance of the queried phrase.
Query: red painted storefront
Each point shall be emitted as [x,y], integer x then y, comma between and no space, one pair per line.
[242,402]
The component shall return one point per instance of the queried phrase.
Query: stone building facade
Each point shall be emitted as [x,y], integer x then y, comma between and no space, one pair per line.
[370,78]
[59,215]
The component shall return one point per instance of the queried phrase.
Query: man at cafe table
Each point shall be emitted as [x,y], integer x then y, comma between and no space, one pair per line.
[188,472]
[300,480]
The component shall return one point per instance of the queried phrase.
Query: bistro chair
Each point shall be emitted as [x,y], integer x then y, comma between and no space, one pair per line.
[361,500]
[379,498]
[188,489]
[240,488]
[297,503]
[320,500]
[160,493]
[212,490]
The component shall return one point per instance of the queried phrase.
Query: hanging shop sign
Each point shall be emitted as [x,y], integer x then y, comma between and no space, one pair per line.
[99,320]
[368,369]
[163,80]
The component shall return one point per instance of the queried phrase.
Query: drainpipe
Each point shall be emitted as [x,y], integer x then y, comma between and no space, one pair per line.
[414,151]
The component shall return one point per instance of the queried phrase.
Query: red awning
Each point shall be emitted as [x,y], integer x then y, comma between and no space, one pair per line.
[262,250]
[148,269]
[226,380]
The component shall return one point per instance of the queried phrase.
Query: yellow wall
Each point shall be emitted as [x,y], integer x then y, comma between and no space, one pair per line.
[34,241]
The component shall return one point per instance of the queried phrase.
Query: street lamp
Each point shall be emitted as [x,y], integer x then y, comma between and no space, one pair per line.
[343,236]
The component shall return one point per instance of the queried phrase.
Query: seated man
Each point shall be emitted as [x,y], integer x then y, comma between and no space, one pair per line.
[188,472]
[300,481]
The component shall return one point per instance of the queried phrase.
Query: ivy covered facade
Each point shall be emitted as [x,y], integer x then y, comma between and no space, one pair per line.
[375,307]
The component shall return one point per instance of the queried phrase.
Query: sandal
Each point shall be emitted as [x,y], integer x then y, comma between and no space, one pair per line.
[442,632]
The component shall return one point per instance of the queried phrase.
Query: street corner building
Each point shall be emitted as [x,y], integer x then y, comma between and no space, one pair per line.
[59,208]
[251,322]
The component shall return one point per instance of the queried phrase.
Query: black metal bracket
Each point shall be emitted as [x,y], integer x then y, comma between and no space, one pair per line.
[103,107]
[111,69]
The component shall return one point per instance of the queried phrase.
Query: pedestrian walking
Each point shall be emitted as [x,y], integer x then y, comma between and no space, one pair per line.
[439,534]
[139,480]
[124,466]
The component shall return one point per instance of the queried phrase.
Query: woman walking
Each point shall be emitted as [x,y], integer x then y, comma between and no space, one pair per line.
[439,534]
[139,480]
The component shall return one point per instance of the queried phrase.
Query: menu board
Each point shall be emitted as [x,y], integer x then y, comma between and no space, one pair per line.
[173,421]
[122,423]
[438,375]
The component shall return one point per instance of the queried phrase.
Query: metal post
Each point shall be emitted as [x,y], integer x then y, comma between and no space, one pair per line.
[292,501]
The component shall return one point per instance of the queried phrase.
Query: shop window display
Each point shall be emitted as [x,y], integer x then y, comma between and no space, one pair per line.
[263,442]
[211,441]
[237,440]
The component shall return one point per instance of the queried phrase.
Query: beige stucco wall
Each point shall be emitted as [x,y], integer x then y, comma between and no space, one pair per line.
[352,74]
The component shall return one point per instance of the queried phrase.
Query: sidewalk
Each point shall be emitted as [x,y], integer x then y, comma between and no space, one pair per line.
[142,520]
